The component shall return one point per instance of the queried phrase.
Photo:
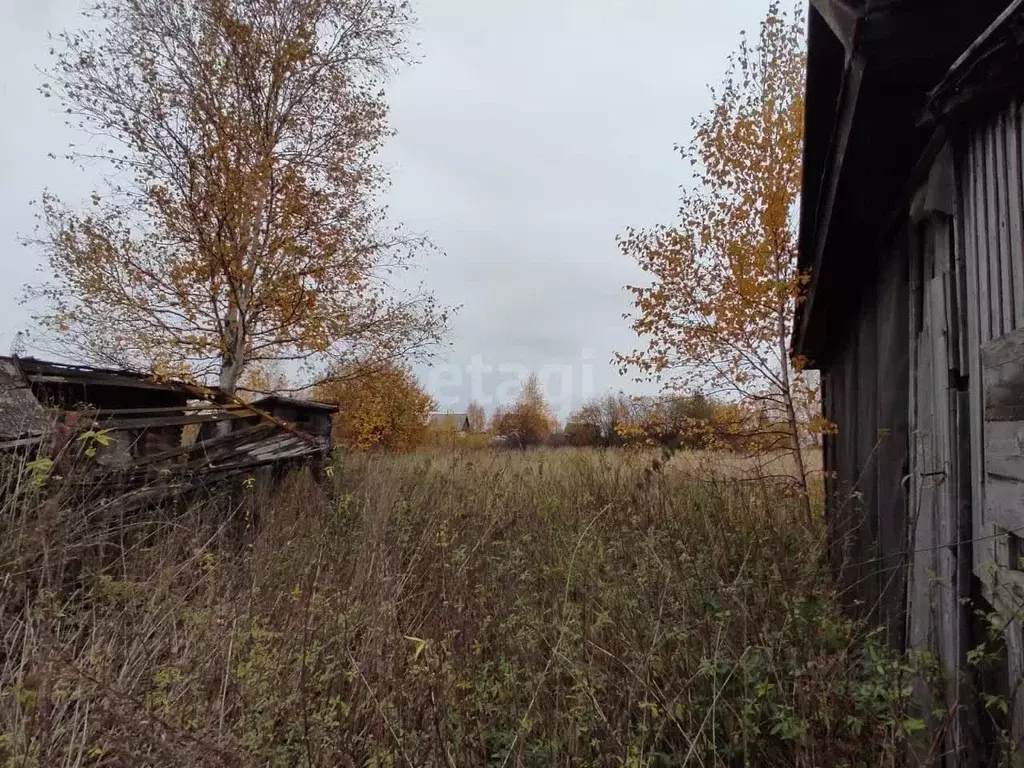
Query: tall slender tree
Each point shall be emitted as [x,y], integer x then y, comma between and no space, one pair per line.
[240,221]
[477,417]
[529,420]
[716,316]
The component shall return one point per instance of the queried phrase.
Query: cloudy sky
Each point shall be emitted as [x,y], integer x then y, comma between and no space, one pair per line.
[529,134]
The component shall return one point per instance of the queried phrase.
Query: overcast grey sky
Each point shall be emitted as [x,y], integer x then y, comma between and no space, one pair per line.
[529,135]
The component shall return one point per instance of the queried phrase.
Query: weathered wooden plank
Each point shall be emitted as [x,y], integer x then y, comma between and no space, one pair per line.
[1003,378]
[916,621]
[273,449]
[944,488]
[867,439]
[1015,203]
[922,514]
[283,452]
[992,231]
[172,421]
[227,456]
[241,447]
[964,226]
[939,378]
[1009,413]
[206,446]
[1001,179]
[893,384]
[191,408]
[1008,349]
[967,179]
[842,514]
[1004,452]
[105,380]
[976,174]
[962,421]
[927,476]
[231,469]
[945,298]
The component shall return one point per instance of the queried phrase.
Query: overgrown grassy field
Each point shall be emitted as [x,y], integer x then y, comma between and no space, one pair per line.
[567,608]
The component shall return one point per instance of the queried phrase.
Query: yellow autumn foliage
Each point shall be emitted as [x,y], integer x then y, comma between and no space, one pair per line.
[529,420]
[240,222]
[716,316]
[379,408]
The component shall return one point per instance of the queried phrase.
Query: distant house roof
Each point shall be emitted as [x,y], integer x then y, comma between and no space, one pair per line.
[456,421]
[271,400]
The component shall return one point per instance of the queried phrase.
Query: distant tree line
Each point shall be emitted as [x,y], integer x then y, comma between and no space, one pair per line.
[618,420]
[692,422]
[386,408]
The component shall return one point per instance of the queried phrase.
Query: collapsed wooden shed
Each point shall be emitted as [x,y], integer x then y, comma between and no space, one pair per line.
[136,427]
[911,230]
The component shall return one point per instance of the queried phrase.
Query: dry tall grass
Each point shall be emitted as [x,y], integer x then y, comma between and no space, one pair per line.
[544,609]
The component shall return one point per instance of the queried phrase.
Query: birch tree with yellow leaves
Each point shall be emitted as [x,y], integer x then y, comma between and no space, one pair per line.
[239,222]
[717,314]
[381,408]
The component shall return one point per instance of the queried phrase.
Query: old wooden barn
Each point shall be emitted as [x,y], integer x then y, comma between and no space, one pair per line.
[912,230]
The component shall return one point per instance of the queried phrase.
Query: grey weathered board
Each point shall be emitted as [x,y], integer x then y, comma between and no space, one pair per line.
[992,214]
[1003,376]
[934,608]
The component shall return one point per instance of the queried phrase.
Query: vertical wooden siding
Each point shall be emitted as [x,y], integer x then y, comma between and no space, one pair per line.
[933,591]
[991,219]
[993,208]
[992,222]
[866,394]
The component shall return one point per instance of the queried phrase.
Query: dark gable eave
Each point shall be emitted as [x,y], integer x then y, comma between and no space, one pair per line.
[985,75]
[831,43]
[863,141]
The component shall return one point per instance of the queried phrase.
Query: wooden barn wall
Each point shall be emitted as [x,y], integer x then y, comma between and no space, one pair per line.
[866,391]
[990,169]
[935,610]
[891,437]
